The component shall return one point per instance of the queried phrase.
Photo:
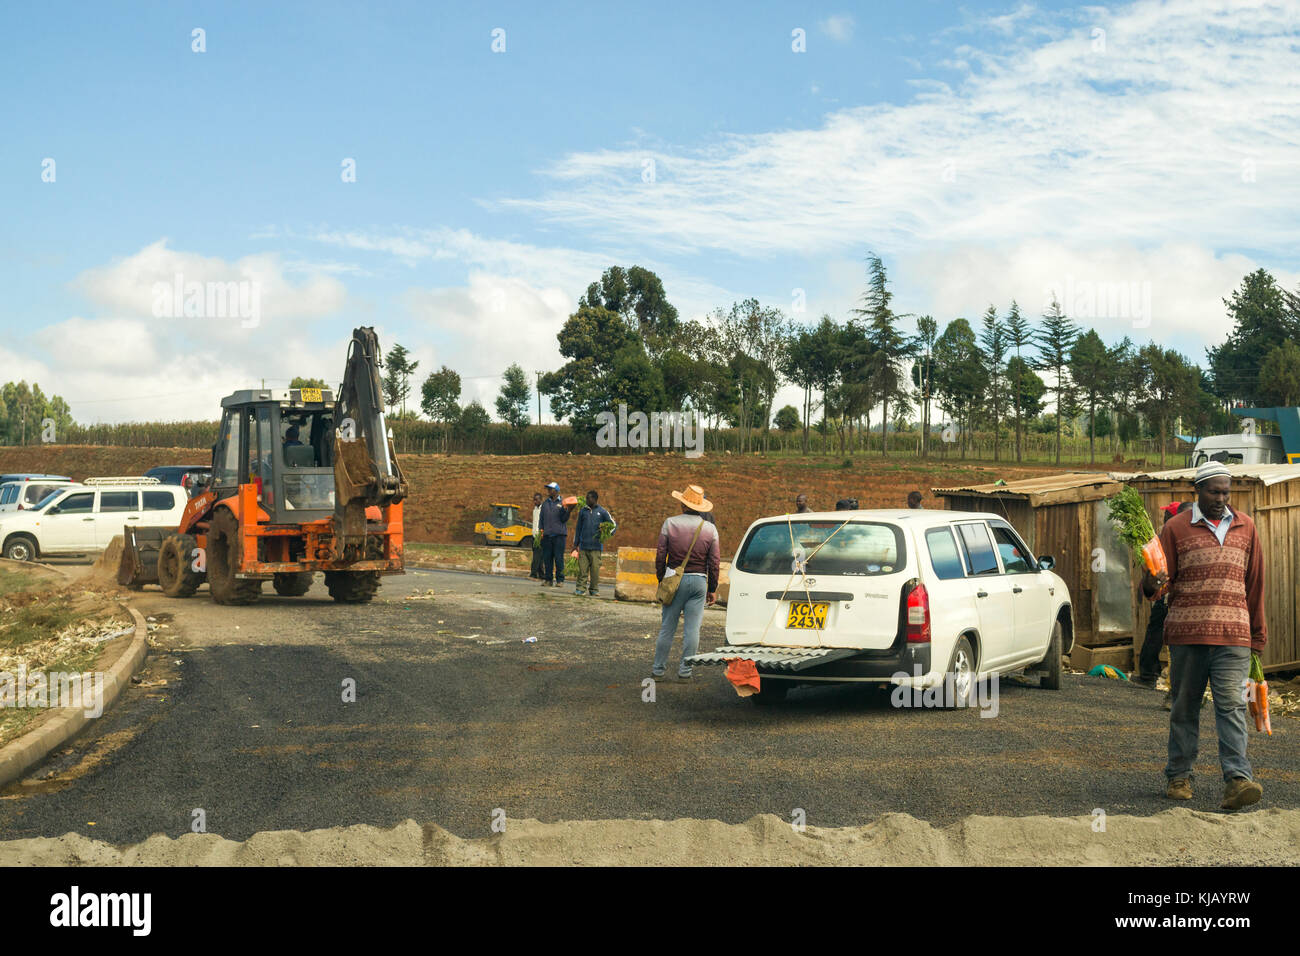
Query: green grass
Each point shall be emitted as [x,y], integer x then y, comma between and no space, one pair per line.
[14,580]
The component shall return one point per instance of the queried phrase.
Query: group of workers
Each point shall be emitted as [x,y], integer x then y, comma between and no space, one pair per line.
[550,535]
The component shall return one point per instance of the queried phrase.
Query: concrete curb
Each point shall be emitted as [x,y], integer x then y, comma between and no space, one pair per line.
[19,756]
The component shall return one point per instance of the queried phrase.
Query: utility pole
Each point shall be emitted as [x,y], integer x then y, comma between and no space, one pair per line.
[539,396]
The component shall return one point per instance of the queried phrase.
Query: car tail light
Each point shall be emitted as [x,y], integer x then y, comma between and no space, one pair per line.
[918,616]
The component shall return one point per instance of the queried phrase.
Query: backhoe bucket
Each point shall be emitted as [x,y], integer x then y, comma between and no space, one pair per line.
[139,564]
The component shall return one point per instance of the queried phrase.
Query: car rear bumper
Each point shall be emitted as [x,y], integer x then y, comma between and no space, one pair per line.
[904,663]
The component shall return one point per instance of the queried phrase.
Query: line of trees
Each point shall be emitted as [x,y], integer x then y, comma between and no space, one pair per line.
[1002,377]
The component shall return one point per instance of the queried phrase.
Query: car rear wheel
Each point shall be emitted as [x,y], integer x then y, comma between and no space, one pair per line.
[20,548]
[961,673]
[1051,664]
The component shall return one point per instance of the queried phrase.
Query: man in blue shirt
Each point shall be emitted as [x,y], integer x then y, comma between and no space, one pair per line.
[586,539]
[554,518]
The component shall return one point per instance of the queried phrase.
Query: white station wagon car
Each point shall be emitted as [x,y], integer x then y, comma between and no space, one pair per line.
[872,596]
[84,518]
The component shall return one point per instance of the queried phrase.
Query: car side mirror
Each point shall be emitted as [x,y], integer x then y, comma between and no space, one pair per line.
[54,509]
[1046,562]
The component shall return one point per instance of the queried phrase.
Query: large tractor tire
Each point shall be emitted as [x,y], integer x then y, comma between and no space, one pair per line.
[292,583]
[352,587]
[223,561]
[480,539]
[176,574]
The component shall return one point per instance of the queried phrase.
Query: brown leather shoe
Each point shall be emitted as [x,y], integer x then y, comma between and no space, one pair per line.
[1239,793]
[1180,789]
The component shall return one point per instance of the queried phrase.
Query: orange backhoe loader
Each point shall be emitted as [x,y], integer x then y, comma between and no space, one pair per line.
[301,482]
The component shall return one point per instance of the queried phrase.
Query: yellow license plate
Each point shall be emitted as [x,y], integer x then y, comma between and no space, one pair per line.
[805,615]
[310,394]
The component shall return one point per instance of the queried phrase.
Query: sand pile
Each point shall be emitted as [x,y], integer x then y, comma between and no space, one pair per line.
[104,570]
[1177,836]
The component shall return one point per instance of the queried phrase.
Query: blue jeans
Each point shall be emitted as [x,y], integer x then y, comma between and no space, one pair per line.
[553,557]
[688,600]
[1191,666]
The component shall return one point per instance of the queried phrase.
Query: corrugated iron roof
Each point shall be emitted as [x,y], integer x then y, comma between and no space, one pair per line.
[1062,488]
[1267,474]
[773,658]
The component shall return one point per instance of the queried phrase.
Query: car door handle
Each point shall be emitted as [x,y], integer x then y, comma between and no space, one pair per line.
[87,519]
[137,518]
[981,593]
[1017,589]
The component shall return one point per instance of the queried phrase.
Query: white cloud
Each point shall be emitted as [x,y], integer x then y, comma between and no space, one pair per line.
[488,325]
[1152,138]
[129,285]
[838,27]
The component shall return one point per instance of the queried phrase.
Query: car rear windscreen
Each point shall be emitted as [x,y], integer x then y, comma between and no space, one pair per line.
[852,548]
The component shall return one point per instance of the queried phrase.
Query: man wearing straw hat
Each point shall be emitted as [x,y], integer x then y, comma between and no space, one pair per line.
[1215,620]
[688,545]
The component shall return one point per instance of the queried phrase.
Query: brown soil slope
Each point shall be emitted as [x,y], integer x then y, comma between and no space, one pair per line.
[450,493]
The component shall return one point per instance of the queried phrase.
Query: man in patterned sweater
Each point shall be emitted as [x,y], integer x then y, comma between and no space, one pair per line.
[1215,620]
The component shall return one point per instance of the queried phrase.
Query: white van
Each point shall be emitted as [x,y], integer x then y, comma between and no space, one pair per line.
[904,597]
[29,492]
[84,518]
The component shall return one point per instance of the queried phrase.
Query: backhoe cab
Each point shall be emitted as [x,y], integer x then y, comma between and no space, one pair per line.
[300,483]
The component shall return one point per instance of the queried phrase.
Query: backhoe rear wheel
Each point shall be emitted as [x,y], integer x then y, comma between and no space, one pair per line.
[176,574]
[223,562]
[292,583]
[352,587]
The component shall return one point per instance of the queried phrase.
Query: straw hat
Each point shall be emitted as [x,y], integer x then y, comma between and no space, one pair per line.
[693,498]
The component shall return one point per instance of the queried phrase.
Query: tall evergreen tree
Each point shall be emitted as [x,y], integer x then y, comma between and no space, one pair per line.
[1019,338]
[993,350]
[1054,340]
[889,346]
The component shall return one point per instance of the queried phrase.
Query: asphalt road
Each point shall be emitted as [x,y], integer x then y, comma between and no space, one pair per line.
[456,717]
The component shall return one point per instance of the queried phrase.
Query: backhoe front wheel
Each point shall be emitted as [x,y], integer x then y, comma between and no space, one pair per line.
[292,583]
[352,587]
[176,574]
[224,560]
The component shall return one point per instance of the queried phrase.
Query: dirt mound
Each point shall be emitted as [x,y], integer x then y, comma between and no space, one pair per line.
[104,570]
[1178,836]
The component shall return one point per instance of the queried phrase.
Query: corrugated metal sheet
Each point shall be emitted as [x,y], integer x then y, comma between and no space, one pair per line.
[1268,474]
[1085,486]
[774,658]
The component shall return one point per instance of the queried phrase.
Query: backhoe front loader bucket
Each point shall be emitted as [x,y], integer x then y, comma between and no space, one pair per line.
[139,564]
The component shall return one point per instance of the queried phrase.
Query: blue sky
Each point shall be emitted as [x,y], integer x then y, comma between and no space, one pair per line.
[984,151]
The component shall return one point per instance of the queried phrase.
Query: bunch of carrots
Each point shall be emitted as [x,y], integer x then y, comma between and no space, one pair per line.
[1133,525]
[1257,695]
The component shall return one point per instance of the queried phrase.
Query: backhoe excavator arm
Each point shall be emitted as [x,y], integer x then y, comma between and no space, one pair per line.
[365,463]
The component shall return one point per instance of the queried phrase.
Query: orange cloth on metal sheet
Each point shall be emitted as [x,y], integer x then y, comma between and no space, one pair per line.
[744,675]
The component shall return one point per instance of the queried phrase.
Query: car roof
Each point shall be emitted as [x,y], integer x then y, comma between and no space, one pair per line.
[925,517]
[31,476]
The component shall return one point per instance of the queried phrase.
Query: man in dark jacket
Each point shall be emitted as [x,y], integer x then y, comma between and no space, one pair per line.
[554,519]
[1154,640]
[586,540]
